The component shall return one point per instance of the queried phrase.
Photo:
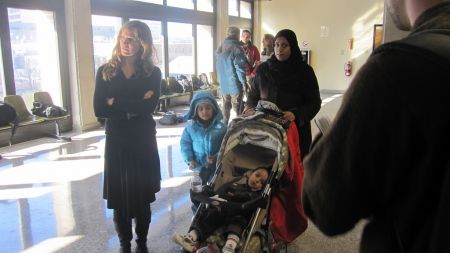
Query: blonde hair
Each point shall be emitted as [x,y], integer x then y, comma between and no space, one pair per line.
[144,63]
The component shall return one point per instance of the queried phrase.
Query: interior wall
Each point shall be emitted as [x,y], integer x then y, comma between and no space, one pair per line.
[325,28]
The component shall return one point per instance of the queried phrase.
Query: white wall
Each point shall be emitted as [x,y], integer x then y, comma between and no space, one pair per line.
[326,26]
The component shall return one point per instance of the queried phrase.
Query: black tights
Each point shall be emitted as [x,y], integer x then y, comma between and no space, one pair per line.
[123,226]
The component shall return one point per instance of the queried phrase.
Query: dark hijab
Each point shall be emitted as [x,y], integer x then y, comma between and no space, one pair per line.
[294,60]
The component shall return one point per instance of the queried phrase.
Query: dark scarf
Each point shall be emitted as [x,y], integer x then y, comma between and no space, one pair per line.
[295,60]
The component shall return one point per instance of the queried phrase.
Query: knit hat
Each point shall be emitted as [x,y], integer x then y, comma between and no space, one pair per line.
[233,32]
[290,36]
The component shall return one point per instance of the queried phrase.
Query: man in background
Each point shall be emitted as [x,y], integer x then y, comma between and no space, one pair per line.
[252,56]
[230,66]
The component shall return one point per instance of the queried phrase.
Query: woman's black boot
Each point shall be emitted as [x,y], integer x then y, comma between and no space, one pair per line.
[124,231]
[143,220]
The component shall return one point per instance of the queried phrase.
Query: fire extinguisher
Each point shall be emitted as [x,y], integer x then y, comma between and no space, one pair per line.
[348,68]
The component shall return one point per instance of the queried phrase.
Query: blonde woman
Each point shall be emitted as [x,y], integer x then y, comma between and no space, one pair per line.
[126,93]
[267,42]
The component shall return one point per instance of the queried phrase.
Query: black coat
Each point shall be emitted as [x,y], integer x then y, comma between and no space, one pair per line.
[386,155]
[292,86]
[132,169]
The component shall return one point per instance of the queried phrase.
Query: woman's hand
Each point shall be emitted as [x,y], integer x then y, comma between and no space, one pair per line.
[148,94]
[248,112]
[109,101]
[192,165]
[289,115]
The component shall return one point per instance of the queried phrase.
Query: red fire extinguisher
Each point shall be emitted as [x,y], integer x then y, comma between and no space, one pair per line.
[348,68]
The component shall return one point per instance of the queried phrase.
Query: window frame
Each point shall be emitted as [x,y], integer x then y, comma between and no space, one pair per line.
[127,10]
[55,6]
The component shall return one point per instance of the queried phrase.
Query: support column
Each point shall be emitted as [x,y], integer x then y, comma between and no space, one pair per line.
[81,63]
[222,22]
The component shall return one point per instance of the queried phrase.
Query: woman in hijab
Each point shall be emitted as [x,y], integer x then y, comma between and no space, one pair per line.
[291,84]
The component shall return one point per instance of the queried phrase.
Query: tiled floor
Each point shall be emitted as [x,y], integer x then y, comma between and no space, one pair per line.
[51,198]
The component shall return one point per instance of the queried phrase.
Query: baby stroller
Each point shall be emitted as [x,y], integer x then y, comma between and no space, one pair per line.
[256,141]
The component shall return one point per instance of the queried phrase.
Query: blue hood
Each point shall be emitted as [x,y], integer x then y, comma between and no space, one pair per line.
[199,96]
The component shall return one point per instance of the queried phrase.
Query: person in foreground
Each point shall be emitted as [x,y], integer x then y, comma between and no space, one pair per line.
[202,137]
[241,190]
[291,84]
[385,157]
[126,93]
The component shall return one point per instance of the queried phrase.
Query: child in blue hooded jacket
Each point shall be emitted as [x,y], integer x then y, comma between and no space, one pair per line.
[202,137]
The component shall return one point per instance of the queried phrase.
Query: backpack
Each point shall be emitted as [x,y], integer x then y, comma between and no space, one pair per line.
[175,86]
[48,111]
[7,114]
[185,83]
[170,118]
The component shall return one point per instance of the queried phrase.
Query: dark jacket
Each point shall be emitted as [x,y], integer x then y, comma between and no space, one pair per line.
[292,86]
[386,155]
[132,169]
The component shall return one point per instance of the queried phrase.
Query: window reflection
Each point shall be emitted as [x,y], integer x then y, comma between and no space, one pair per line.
[104,32]
[34,48]
[205,5]
[246,9]
[186,4]
[233,8]
[204,48]
[158,42]
[2,78]
[180,42]
[150,1]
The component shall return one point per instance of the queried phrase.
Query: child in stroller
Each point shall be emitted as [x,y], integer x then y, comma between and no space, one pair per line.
[240,190]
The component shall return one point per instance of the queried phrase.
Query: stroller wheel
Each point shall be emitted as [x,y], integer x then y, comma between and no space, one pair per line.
[255,244]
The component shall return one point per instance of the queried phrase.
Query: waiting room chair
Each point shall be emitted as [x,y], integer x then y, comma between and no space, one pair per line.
[24,117]
[44,97]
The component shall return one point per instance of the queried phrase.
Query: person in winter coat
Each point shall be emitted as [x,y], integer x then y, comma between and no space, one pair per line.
[291,84]
[252,56]
[394,111]
[202,137]
[126,93]
[230,65]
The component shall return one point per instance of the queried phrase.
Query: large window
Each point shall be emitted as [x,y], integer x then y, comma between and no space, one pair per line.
[204,48]
[35,55]
[104,33]
[186,4]
[2,79]
[205,5]
[181,60]
[246,10]
[158,42]
[151,1]
[233,8]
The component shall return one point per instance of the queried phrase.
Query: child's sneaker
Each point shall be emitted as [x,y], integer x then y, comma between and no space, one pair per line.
[228,248]
[186,241]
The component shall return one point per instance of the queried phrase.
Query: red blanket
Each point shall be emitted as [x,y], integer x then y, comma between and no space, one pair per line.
[288,219]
